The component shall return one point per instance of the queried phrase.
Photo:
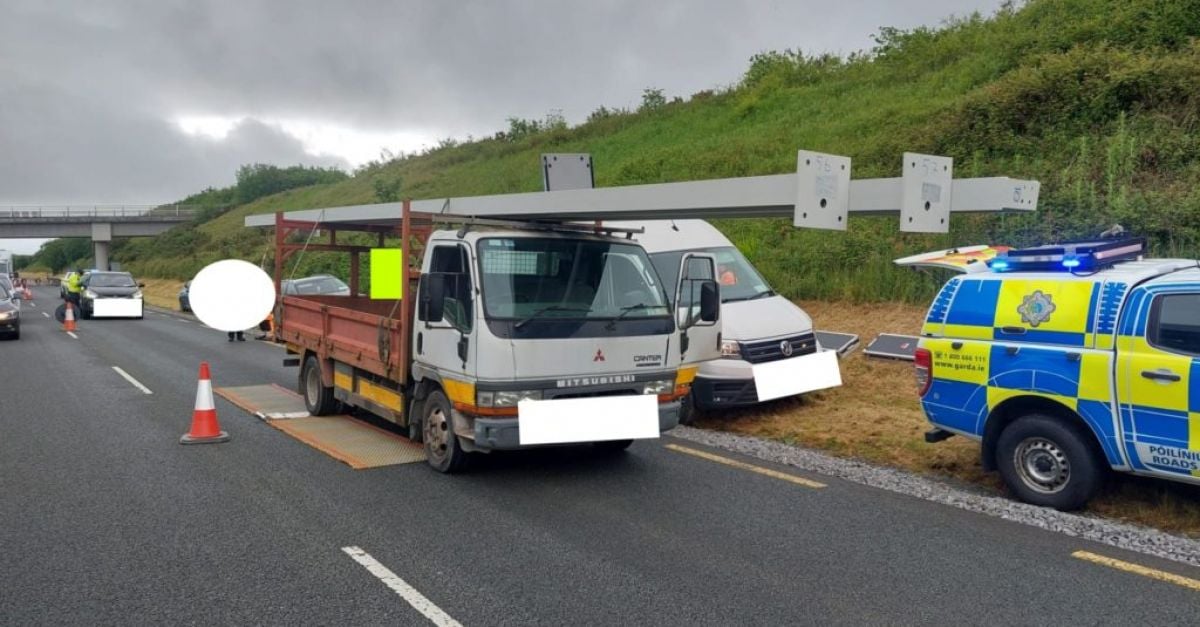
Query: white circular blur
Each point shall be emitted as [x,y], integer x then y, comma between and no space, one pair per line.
[232,295]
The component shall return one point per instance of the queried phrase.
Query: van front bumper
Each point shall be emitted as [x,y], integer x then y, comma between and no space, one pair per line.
[504,434]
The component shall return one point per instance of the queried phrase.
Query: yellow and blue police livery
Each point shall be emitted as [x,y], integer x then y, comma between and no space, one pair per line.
[1065,361]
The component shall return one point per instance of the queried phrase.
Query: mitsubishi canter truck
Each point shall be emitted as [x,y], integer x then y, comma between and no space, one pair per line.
[759,328]
[506,335]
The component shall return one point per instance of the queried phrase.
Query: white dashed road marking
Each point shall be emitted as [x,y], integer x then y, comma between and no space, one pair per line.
[401,587]
[72,335]
[137,384]
[45,314]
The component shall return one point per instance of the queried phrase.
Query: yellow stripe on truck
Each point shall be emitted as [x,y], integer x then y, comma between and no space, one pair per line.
[343,381]
[388,398]
[459,391]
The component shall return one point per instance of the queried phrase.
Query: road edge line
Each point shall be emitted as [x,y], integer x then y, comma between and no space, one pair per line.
[808,483]
[1138,569]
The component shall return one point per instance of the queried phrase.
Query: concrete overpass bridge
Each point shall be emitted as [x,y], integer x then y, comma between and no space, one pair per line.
[100,223]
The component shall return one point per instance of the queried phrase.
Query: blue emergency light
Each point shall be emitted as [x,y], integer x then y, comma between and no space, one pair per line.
[1081,256]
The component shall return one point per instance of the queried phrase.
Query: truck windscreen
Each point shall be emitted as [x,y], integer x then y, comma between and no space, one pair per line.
[529,277]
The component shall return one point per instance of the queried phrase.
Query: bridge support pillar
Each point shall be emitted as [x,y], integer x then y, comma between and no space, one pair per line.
[101,238]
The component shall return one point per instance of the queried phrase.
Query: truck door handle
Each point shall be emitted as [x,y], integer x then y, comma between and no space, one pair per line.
[1161,374]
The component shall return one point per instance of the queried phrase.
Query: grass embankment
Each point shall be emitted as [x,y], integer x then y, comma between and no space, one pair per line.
[1094,98]
[162,293]
[875,416]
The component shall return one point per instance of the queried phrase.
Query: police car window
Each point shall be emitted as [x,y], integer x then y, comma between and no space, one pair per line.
[1176,325]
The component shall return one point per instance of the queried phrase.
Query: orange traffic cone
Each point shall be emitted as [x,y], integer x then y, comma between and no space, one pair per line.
[205,429]
[28,293]
[69,318]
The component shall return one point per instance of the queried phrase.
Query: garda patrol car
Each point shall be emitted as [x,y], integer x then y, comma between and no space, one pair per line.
[1066,360]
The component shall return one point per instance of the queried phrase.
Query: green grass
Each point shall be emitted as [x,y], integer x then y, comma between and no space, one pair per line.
[1095,98]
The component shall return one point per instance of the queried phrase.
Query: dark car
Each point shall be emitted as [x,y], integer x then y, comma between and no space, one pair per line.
[122,293]
[184,303]
[317,284]
[10,315]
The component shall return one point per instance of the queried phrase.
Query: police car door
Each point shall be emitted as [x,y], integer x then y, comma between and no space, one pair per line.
[1158,381]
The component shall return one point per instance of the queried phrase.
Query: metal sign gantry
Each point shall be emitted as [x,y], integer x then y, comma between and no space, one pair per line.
[820,194]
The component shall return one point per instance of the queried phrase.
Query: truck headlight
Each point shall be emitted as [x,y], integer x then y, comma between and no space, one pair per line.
[666,386]
[731,349]
[506,398]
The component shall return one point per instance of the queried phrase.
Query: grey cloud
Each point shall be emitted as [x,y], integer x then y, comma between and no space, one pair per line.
[87,90]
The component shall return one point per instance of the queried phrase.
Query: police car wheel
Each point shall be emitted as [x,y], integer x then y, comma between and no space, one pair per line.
[1046,461]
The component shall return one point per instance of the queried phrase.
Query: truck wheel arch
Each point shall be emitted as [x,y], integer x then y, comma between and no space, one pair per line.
[1011,409]
[326,366]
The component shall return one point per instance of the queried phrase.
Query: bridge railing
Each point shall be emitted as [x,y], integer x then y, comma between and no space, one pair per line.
[31,212]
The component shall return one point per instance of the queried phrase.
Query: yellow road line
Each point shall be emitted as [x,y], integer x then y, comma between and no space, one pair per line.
[744,466]
[1153,573]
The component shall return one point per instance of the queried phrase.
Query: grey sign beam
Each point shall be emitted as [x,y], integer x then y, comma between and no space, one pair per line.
[745,197]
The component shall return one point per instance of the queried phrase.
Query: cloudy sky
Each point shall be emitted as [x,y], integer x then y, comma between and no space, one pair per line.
[144,102]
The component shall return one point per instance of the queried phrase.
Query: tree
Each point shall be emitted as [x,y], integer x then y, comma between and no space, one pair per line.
[652,98]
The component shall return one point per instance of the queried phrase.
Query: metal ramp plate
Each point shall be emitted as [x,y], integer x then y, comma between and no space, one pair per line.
[344,438]
[841,343]
[893,346]
[269,402]
[358,444]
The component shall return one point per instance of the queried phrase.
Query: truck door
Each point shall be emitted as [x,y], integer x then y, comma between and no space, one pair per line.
[703,341]
[1158,381]
[445,342]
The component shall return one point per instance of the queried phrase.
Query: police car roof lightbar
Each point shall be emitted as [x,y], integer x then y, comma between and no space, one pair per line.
[1080,256]
[820,194]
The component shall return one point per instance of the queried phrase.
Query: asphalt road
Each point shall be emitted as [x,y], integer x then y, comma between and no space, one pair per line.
[106,519]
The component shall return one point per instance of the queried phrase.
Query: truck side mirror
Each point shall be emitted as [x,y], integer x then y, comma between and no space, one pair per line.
[710,301]
[431,302]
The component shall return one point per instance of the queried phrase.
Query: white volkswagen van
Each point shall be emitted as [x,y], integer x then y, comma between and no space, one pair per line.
[760,327]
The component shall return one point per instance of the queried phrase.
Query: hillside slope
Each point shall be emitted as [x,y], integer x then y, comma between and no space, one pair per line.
[1098,99]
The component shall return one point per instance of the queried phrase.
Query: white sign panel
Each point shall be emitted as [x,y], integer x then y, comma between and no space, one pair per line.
[588,419]
[822,191]
[925,201]
[788,377]
[117,307]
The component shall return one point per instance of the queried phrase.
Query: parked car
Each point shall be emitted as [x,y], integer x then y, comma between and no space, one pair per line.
[760,326]
[10,313]
[316,285]
[110,295]
[184,303]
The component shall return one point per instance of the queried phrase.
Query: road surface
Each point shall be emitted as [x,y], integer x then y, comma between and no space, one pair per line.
[106,519]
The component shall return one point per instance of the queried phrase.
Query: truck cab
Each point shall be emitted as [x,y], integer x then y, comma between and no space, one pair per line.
[1064,372]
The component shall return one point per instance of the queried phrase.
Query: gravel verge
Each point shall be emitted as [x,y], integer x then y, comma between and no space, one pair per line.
[1121,535]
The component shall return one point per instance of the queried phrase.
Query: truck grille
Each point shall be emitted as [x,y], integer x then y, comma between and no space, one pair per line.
[592,394]
[772,350]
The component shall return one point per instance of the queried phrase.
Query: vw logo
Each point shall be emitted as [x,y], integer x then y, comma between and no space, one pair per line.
[785,347]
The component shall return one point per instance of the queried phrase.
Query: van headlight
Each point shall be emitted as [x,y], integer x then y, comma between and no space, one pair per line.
[506,398]
[731,349]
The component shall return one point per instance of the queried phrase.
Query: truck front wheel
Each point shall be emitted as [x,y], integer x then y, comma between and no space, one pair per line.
[318,397]
[442,449]
[1046,461]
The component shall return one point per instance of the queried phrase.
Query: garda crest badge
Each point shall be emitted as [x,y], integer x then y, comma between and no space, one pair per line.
[1036,308]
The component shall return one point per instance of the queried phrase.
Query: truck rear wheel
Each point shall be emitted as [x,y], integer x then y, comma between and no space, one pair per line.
[1046,461]
[442,448]
[318,397]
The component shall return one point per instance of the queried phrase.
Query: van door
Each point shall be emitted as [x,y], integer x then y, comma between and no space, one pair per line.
[1158,381]
[703,339]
